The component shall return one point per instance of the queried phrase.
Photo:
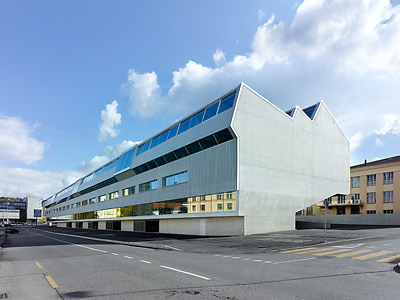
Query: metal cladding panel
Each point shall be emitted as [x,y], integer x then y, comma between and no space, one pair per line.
[204,129]
[210,171]
[100,178]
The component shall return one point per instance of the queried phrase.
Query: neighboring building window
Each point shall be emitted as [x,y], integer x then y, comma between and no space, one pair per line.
[229,206]
[84,202]
[68,206]
[371,212]
[371,198]
[388,211]
[388,178]
[194,208]
[148,186]
[388,197]
[341,199]
[229,196]
[73,205]
[203,207]
[371,179]
[113,195]
[355,197]
[203,198]
[92,201]
[355,181]
[128,191]
[63,208]
[220,206]
[309,210]
[102,198]
[78,204]
[175,179]
[219,196]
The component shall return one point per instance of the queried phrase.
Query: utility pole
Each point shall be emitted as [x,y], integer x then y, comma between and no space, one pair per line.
[326,203]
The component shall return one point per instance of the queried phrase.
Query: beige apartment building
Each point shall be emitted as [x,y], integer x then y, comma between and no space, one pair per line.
[374,189]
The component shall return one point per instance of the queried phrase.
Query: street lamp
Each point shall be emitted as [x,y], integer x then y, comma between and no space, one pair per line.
[326,203]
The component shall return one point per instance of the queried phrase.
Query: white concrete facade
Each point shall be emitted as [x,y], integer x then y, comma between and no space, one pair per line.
[285,163]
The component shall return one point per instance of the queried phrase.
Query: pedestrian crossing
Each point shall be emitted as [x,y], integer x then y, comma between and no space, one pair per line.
[362,254]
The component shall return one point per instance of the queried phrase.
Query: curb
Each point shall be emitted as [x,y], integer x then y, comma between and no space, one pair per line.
[133,244]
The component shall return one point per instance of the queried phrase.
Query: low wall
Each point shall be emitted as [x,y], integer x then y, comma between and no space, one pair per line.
[360,220]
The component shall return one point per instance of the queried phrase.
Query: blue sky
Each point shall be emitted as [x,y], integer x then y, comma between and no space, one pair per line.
[80,81]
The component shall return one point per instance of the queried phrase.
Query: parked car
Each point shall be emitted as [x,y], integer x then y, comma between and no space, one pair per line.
[11,229]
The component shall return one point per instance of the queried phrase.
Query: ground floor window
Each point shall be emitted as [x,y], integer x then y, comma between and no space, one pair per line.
[388,211]
[371,212]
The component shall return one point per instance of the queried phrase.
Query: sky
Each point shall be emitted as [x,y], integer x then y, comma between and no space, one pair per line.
[82,81]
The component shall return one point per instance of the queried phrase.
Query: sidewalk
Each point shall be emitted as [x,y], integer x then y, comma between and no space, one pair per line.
[260,243]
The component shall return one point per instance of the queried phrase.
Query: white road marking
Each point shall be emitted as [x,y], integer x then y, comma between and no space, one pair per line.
[217,255]
[289,261]
[257,260]
[114,253]
[267,262]
[349,246]
[235,257]
[184,272]
[371,247]
[128,257]
[145,261]
[227,256]
[386,244]
[246,258]
[172,247]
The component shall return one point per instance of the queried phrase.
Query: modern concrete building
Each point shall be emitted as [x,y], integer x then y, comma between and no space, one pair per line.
[12,210]
[375,189]
[33,204]
[236,166]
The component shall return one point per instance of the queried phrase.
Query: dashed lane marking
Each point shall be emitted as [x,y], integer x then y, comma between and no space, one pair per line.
[257,260]
[390,259]
[128,257]
[312,251]
[145,261]
[352,253]
[381,253]
[290,261]
[187,273]
[52,283]
[38,265]
[331,252]
[296,250]
[114,253]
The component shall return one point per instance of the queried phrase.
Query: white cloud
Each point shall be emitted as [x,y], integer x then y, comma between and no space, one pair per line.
[344,52]
[219,56]
[17,143]
[21,182]
[144,93]
[110,118]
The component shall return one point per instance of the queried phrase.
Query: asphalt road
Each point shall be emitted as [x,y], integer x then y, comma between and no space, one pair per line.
[46,265]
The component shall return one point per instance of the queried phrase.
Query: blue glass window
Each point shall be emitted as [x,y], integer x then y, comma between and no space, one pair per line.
[154,142]
[146,146]
[226,103]
[310,111]
[124,161]
[197,119]
[173,131]
[140,151]
[211,111]
[163,137]
[184,126]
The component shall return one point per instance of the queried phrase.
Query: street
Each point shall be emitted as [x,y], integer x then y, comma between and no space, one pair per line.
[36,264]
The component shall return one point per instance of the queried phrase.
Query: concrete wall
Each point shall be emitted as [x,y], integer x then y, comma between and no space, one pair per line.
[102,225]
[372,220]
[85,225]
[127,226]
[203,226]
[285,164]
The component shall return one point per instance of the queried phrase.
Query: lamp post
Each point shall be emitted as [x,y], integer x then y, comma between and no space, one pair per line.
[326,203]
[7,213]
